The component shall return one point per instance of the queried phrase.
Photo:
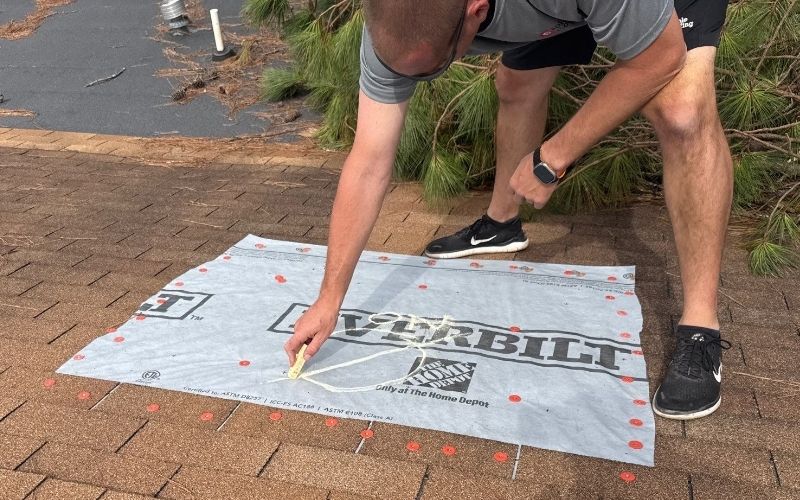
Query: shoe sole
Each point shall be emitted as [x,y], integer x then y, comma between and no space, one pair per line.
[686,416]
[510,248]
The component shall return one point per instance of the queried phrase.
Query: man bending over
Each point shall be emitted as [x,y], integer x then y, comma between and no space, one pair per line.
[406,41]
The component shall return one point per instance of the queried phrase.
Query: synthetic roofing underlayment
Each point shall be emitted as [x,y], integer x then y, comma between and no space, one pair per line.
[531,354]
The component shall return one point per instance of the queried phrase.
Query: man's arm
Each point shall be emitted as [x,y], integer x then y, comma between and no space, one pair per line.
[365,177]
[625,89]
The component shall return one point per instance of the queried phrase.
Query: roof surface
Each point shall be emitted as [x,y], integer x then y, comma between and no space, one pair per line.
[85,237]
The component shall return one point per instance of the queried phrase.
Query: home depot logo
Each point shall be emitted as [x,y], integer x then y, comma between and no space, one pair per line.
[173,304]
[441,374]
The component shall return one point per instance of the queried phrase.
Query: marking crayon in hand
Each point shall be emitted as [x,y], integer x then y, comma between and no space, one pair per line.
[299,361]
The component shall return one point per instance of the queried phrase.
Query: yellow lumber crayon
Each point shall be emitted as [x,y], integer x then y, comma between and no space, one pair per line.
[297,367]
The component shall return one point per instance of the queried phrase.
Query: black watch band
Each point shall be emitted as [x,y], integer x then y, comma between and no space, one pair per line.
[537,155]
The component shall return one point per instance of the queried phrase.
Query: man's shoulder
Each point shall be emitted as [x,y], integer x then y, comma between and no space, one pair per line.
[376,81]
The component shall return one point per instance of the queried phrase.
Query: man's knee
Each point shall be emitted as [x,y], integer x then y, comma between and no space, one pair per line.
[687,117]
[686,107]
[524,87]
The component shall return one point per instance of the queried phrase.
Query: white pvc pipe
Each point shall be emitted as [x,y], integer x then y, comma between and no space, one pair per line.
[217,30]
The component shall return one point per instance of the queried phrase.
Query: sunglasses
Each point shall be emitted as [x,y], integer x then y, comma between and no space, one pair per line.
[426,77]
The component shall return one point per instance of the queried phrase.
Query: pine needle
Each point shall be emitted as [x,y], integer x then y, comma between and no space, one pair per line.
[771,259]
[280,84]
[260,12]
[751,178]
[415,143]
[752,101]
[444,176]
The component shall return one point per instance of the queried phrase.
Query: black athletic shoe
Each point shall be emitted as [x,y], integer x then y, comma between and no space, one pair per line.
[484,236]
[691,387]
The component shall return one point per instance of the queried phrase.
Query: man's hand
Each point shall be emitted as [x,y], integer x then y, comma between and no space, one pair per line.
[316,324]
[528,186]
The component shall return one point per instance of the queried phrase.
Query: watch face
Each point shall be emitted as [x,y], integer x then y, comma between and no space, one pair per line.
[544,174]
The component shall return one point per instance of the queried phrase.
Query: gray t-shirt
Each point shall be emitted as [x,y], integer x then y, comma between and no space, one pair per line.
[626,27]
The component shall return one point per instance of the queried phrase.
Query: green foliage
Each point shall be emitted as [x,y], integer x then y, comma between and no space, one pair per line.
[414,151]
[746,28]
[279,84]
[448,136]
[346,43]
[338,125]
[751,176]
[771,259]
[312,53]
[266,11]
[752,100]
[782,228]
[772,248]
[606,179]
[476,109]
[298,22]
[771,252]
[445,174]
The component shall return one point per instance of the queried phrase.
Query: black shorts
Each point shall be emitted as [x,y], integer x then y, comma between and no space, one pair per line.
[701,21]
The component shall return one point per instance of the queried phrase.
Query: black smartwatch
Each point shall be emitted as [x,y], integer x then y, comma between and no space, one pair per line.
[542,170]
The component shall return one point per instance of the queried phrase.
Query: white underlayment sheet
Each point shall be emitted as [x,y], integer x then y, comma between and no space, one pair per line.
[534,354]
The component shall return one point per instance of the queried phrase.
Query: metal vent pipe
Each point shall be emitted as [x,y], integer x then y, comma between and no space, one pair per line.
[174,12]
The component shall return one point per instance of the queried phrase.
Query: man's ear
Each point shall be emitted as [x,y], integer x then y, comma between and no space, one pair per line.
[478,9]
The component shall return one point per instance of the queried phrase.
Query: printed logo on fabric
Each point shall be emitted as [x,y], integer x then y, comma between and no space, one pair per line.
[550,348]
[558,28]
[149,376]
[174,304]
[442,374]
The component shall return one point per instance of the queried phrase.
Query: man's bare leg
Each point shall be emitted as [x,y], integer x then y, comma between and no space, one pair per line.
[520,125]
[698,184]
[523,100]
[698,181]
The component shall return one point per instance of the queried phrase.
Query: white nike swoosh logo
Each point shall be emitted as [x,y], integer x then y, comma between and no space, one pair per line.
[718,374]
[478,242]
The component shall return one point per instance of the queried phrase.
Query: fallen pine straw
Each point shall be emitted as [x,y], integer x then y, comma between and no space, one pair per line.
[235,82]
[26,113]
[790,386]
[780,381]
[197,12]
[17,240]
[202,223]
[14,30]
[178,151]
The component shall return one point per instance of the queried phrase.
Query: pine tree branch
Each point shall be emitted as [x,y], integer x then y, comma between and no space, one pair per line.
[778,56]
[780,200]
[774,129]
[786,93]
[775,32]
[770,145]
[446,112]
[586,166]
[470,66]
[339,8]
[564,93]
